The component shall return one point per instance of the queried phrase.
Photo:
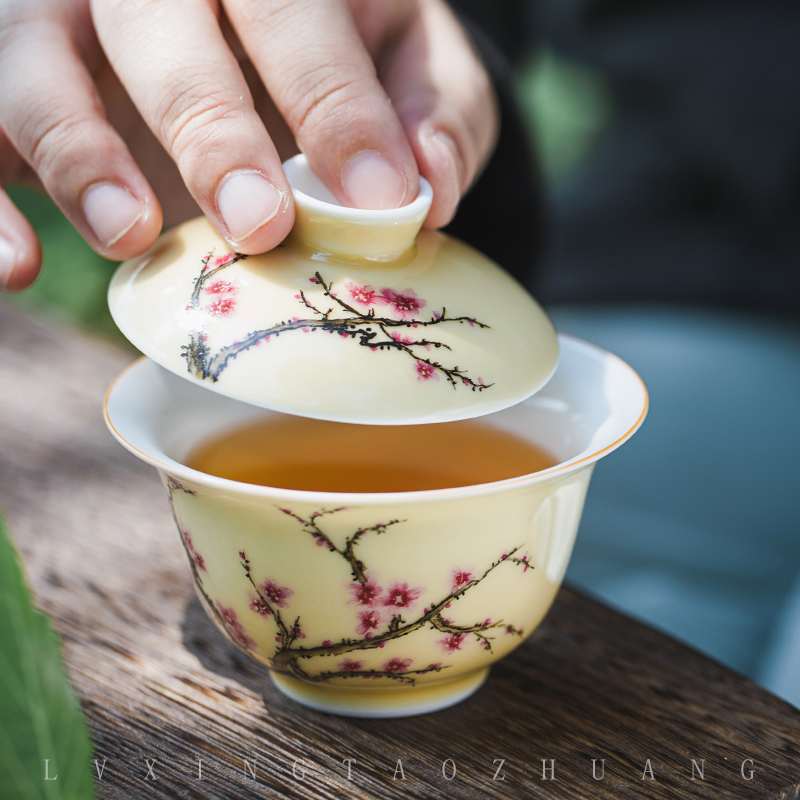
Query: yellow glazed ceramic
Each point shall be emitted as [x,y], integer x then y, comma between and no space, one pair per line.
[357,317]
[381,604]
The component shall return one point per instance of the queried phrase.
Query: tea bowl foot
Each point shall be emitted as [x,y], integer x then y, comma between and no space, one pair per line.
[399,701]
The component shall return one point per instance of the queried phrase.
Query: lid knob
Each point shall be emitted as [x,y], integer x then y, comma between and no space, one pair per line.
[326,226]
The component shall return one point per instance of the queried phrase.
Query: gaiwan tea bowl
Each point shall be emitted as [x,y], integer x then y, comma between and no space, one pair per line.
[381,605]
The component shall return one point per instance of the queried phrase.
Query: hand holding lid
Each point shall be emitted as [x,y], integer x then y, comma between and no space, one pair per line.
[357,317]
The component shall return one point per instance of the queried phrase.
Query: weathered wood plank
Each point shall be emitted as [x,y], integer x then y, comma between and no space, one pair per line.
[158,681]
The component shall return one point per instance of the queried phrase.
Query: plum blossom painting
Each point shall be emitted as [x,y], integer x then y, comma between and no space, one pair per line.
[382,320]
[380,611]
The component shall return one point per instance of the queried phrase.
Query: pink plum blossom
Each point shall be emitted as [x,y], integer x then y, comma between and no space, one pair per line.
[405,304]
[369,622]
[364,295]
[319,541]
[228,615]
[278,595]
[350,665]
[398,595]
[197,559]
[453,642]
[221,287]
[397,665]
[426,371]
[258,605]
[234,627]
[365,594]
[221,306]
[461,577]
[220,260]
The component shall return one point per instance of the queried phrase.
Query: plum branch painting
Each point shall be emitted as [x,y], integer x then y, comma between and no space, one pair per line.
[386,320]
[381,613]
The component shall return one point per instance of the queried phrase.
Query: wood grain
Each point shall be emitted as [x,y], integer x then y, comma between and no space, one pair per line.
[158,682]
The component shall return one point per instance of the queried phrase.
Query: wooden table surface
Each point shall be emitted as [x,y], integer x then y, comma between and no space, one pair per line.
[159,683]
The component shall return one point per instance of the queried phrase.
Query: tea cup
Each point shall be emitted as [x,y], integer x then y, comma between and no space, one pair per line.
[381,604]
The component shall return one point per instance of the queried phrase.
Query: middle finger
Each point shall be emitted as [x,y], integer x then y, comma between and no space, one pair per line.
[174,62]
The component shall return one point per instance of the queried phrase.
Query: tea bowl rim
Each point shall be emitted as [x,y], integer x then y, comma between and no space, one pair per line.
[580,461]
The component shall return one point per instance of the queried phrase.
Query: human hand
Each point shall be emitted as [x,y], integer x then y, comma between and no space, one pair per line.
[375,92]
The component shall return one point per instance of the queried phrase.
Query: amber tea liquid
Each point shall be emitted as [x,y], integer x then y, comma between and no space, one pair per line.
[297,453]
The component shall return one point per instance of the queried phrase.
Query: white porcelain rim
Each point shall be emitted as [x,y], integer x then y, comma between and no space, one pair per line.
[581,460]
[417,208]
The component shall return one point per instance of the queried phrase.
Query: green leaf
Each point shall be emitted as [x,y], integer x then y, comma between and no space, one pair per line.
[40,717]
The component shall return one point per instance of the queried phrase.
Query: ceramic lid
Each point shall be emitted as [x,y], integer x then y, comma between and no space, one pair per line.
[357,317]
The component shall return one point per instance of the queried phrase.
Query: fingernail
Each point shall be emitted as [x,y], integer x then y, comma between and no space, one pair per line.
[8,257]
[246,201]
[448,147]
[373,182]
[111,211]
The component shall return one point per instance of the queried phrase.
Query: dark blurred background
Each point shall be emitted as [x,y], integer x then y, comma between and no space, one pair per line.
[668,134]
[646,188]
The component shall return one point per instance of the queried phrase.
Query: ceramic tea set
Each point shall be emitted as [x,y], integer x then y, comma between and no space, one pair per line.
[371,604]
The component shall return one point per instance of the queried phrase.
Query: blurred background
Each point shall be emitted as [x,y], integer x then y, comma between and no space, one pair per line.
[664,225]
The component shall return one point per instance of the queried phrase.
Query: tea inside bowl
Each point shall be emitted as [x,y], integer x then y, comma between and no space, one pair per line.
[313,455]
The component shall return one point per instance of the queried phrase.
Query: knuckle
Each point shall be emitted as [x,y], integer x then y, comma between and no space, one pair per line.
[324,96]
[49,139]
[189,113]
